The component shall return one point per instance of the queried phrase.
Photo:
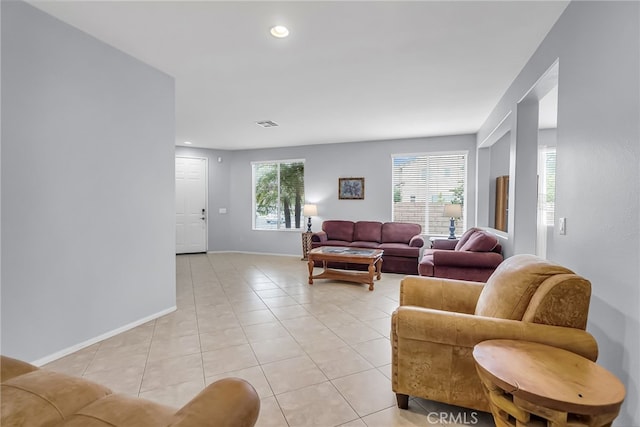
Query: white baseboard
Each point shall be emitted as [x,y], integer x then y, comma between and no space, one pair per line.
[253,253]
[74,348]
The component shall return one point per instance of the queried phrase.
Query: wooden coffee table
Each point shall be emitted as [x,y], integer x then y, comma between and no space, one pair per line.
[370,257]
[531,384]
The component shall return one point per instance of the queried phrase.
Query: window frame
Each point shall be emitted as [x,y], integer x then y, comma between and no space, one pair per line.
[547,208]
[427,154]
[278,212]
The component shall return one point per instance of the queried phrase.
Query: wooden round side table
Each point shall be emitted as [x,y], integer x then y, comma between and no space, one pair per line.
[531,384]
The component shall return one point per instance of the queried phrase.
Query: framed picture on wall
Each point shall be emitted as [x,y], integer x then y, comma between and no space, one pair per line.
[351,188]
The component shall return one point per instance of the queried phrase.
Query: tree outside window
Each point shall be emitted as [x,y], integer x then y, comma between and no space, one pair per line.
[278,194]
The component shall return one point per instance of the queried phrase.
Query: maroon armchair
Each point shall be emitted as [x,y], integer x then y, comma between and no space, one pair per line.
[473,257]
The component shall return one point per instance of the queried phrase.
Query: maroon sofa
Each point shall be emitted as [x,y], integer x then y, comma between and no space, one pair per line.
[401,242]
[473,257]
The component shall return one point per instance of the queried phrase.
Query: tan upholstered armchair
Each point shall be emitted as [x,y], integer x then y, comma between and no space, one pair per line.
[440,320]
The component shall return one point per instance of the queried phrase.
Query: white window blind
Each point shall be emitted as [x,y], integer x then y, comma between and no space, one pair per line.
[547,184]
[278,194]
[423,184]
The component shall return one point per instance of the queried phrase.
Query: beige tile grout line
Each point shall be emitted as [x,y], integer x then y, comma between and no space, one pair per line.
[260,365]
[235,315]
[204,378]
[153,333]
[256,356]
[329,380]
[84,371]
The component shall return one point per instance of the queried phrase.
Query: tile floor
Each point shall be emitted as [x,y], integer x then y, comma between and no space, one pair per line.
[317,355]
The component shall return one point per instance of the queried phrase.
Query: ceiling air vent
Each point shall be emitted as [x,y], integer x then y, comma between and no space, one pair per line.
[267,124]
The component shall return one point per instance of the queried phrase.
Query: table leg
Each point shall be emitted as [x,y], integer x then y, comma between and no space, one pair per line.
[379,268]
[310,264]
[372,271]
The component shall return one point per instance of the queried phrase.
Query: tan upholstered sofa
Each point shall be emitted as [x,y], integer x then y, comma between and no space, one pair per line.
[33,397]
[440,320]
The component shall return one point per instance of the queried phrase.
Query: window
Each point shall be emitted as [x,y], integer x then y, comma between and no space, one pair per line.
[547,184]
[423,184]
[278,194]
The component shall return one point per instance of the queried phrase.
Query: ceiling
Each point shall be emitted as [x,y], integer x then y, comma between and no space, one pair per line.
[349,71]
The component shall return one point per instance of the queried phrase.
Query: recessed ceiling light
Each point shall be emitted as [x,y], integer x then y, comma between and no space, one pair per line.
[188,142]
[279,31]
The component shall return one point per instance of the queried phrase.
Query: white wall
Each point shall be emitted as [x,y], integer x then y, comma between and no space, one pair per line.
[0,184]
[88,206]
[324,164]
[598,159]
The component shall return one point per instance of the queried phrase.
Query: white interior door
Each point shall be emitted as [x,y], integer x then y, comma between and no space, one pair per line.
[191,205]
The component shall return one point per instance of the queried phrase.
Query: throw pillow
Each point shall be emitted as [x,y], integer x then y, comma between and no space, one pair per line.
[480,241]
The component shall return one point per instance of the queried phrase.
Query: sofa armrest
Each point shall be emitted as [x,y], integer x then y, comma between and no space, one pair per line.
[446,244]
[230,402]
[466,259]
[416,241]
[440,294]
[467,330]
[319,236]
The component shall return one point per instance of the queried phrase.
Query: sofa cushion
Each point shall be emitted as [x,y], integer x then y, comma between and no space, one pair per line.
[480,241]
[338,230]
[363,244]
[398,232]
[399,249]
[367,231]
[330,243]
[445,244]
[508,291]
[465,236]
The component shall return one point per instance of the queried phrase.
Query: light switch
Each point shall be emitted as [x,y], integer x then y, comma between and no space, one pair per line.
[222,210]
[563,226]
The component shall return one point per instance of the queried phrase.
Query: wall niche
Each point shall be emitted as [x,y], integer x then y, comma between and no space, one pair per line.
[502,203]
